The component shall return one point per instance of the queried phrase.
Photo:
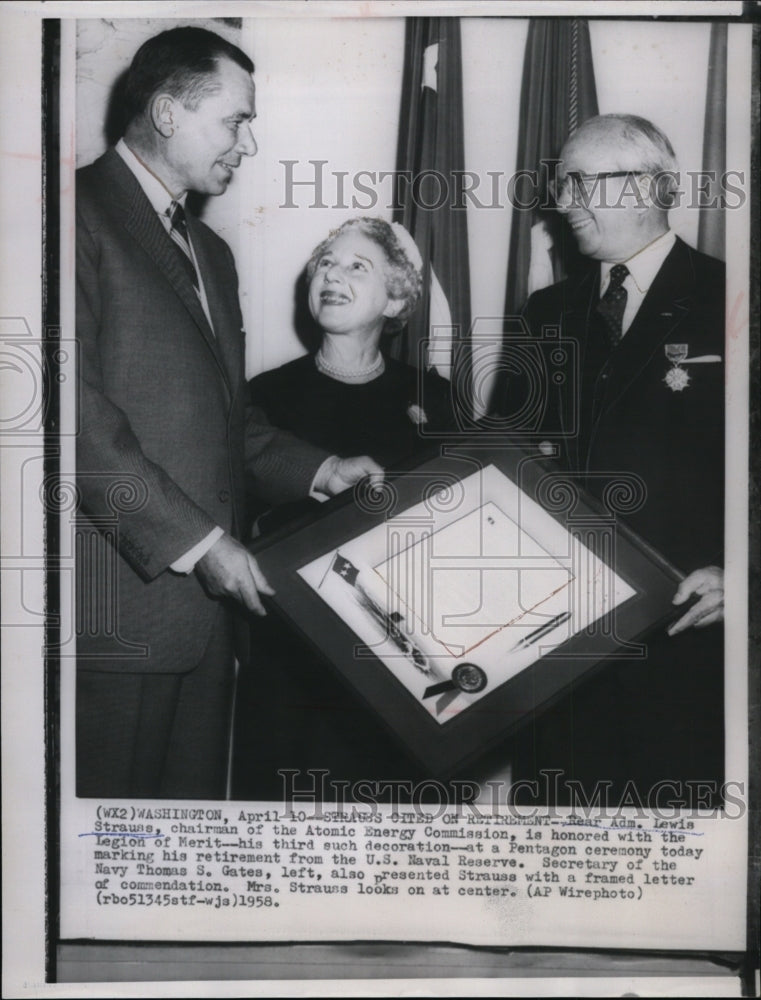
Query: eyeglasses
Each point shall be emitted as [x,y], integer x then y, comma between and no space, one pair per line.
[584,185]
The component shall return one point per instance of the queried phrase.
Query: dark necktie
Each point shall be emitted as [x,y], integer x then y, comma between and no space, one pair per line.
[612,305]
[179,234]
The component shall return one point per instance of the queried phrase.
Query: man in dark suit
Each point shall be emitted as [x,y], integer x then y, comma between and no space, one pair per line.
[648,317]
[166,441]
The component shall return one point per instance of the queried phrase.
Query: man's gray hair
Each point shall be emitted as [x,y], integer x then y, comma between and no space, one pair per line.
[656,154]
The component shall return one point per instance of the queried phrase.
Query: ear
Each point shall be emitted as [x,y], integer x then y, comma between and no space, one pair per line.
[393,308]
[162,114]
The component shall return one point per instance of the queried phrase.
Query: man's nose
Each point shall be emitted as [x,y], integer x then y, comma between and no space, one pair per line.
[246,142]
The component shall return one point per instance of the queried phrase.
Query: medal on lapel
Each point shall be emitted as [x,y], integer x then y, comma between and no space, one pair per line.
[676,377]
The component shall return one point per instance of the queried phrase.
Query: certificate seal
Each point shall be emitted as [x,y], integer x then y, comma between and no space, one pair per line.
[469,678]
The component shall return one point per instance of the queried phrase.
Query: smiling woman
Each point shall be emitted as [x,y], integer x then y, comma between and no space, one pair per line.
[349,398]
[347,290]
[364,282]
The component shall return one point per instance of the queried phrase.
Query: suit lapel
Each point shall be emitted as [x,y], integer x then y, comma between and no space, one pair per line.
[576,312]
[222,304]
[142,224]
[667,303]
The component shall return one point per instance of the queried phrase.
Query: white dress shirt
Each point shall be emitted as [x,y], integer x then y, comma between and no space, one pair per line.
[643,267]
[161,198]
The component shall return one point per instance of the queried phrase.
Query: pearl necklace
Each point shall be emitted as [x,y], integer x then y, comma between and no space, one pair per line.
[350,374]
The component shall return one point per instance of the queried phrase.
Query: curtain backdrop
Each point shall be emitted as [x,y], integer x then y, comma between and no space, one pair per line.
[711,221]
[557,94]
[430,152]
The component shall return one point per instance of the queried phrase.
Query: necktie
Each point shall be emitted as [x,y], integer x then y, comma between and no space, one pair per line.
[179,233]
[612,305]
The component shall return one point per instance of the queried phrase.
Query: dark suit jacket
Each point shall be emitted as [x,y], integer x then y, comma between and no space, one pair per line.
[662,718]
[631,421]
[164,427]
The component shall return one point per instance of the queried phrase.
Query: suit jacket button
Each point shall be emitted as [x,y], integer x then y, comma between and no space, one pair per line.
[223,495]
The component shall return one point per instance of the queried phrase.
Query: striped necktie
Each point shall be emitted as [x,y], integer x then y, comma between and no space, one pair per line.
[179,233]
[612,305]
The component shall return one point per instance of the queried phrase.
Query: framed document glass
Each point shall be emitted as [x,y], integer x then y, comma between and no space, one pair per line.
[469,592]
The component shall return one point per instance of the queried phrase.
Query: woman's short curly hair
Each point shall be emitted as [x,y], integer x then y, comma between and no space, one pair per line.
[403,280]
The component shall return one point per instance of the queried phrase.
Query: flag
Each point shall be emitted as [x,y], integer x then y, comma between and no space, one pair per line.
[557,94]
[345,569]
[430,155]
[711,220]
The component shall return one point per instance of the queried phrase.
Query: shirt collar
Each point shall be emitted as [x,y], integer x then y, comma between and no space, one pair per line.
[645,264]
[158,195]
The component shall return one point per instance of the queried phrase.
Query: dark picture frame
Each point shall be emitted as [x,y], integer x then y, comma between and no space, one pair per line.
[444,750]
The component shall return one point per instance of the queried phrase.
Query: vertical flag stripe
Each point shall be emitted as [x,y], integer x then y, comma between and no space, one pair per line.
[557,94]
[431,151]
[573,87]
[711,223]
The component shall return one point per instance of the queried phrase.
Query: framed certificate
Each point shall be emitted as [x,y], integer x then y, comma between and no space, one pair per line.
[468,592]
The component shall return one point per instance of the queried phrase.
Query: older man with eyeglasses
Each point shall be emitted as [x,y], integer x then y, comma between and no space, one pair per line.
[647,314]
